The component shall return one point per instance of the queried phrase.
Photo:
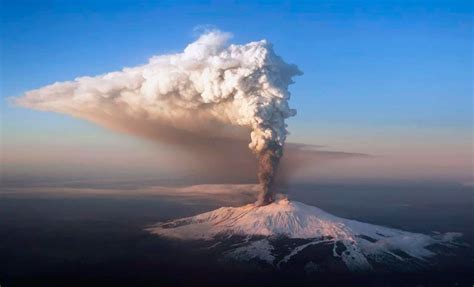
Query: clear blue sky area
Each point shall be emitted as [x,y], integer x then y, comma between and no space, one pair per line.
[365,62]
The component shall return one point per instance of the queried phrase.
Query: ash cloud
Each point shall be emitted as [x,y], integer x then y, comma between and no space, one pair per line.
[211,92]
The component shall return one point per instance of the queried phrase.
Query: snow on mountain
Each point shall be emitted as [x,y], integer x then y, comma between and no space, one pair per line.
[295,220]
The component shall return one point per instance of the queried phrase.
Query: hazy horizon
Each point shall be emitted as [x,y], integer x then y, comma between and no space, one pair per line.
[407,104]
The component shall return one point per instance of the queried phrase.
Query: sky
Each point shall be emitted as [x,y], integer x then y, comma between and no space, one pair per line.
[390,79]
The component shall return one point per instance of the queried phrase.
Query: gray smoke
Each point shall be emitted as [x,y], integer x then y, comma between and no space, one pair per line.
[202,91]
[268,160]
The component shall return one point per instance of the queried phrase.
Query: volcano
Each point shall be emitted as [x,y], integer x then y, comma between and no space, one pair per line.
[284,231]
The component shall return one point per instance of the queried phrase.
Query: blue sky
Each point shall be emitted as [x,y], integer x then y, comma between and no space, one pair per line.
[369,66]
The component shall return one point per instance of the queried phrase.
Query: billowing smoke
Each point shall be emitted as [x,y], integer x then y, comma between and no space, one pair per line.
[204,91]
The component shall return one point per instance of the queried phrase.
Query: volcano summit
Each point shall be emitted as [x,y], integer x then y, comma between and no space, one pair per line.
[285,230]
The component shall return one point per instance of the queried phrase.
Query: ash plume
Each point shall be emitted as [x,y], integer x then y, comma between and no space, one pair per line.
[268,160]
[211,90]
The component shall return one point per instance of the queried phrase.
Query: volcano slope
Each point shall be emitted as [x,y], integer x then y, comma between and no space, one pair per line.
[285,234]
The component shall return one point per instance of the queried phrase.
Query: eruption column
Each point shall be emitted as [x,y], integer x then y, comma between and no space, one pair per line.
[268,160]
[209,86]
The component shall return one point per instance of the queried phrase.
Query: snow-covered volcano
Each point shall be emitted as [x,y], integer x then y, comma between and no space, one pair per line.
[261,230]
